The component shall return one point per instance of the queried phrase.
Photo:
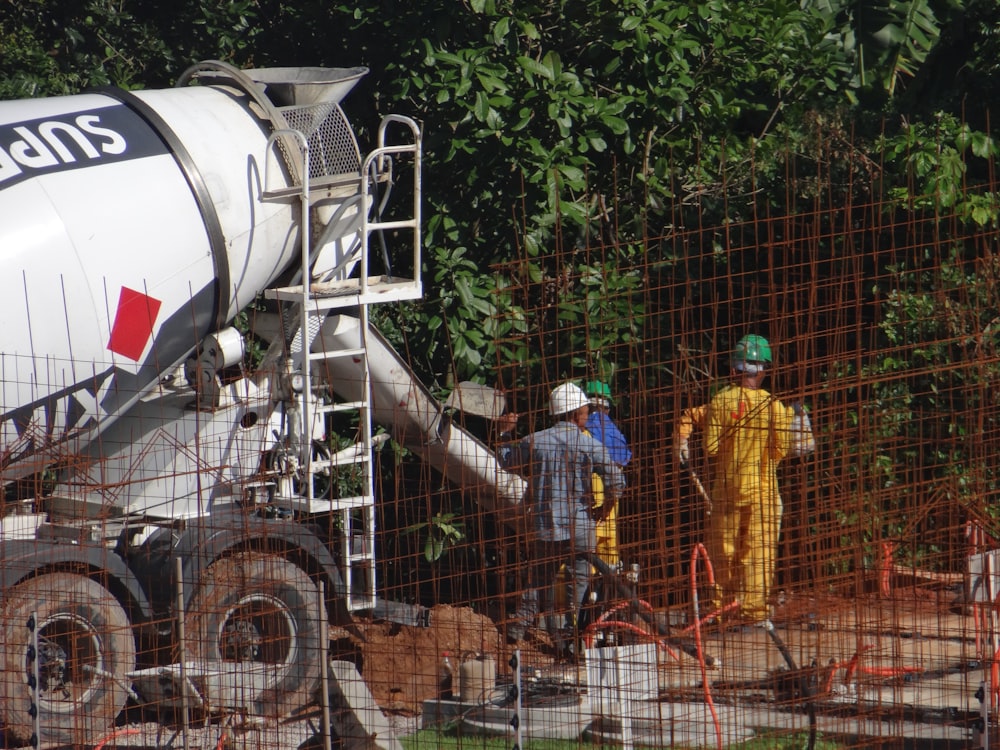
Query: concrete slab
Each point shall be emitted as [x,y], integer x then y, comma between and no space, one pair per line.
[563,719]
[355,717]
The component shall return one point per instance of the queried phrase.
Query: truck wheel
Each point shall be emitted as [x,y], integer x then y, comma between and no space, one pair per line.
[260,610]
[85,650]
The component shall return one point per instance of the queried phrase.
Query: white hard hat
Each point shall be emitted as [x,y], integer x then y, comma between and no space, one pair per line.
[566,398]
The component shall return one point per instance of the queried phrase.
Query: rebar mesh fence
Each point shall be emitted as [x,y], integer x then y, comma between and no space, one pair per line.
[881,316]
[167,587]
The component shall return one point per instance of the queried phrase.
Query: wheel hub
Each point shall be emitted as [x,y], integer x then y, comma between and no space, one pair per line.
[52,667]
[241,641]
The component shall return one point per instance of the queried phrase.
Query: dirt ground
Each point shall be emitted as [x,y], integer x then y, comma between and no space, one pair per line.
[402,665]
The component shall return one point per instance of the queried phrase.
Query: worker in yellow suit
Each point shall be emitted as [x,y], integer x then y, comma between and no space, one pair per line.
[747,433]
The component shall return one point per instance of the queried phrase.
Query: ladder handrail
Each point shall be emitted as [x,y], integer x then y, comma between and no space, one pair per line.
[357,518]
[305,395]
[380,153]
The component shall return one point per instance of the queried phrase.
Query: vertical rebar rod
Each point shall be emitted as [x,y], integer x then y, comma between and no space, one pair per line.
[36,719]
[324,653]
[182,649]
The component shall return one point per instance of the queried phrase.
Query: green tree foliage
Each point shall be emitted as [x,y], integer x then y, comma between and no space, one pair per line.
[546,121]
[590,137]
[888,40]
[580,123]
[53,47]
[934,312]
[920,412]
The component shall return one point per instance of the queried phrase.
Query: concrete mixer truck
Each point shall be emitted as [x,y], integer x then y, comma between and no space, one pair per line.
[172,515]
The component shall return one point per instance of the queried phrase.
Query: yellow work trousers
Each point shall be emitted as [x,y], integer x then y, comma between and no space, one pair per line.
[607,538]
[742,542]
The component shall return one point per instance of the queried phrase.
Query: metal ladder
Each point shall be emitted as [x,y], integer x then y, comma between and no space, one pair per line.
[342,289]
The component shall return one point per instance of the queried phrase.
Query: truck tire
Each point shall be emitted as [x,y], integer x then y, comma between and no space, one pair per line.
[260,609]
[85,641]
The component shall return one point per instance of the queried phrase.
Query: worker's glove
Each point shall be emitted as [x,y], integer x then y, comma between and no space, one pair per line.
[803,442]
[682,453]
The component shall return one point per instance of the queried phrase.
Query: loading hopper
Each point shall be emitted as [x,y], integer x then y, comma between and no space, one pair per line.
[306,86]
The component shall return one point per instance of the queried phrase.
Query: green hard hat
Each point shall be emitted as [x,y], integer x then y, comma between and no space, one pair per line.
[598,389]
[751,348]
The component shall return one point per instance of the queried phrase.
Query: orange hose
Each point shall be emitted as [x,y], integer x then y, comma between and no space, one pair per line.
[995,680]
[115,735]
[623,605]
[699,550]
[589,631]
[890,671]
[887,549]
[852,665]
[713,614]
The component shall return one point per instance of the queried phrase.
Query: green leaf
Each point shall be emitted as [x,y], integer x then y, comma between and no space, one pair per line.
[482,109]
[531,65]
[500,30]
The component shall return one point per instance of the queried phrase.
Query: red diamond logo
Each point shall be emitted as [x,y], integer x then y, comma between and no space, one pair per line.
[133,323]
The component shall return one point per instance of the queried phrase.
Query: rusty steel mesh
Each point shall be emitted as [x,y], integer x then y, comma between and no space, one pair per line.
[881,621]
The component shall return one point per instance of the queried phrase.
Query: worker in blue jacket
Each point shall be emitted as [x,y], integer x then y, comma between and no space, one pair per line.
[602,426]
